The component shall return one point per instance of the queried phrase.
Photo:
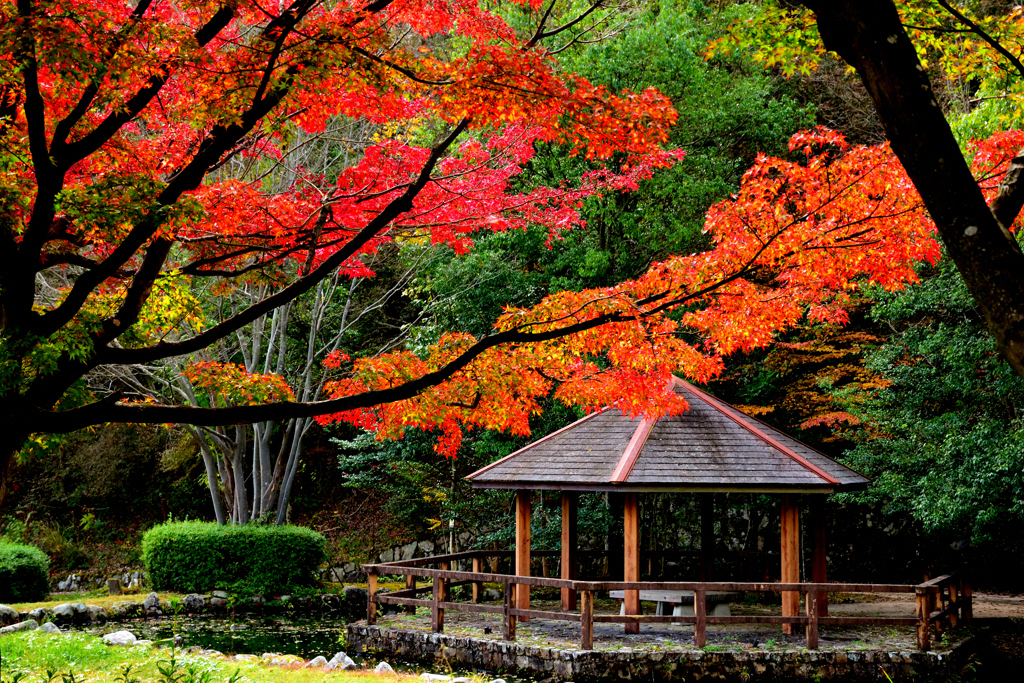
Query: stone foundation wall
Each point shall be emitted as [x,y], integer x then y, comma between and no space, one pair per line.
[745,666]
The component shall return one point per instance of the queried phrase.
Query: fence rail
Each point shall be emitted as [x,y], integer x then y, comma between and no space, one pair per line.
[941,602]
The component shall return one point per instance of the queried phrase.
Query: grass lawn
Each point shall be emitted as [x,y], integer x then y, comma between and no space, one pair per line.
[35,656]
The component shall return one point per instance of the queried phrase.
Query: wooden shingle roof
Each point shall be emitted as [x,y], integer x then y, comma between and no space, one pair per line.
[710,447]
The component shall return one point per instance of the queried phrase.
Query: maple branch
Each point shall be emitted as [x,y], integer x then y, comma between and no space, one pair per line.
[71,153]
[63,128]
[396,207]
[1009,200]
[397,67]
[541,35]
[975,28]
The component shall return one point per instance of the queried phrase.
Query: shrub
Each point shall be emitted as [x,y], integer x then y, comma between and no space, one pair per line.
[201,556]
[24,573]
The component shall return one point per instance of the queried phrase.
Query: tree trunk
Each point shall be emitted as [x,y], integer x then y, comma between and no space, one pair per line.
[869,36]
[11,441]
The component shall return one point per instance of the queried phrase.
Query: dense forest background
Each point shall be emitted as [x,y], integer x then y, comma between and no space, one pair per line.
[911,392]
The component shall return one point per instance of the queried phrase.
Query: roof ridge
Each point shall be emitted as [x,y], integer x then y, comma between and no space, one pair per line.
[632,452]
[538,441]
[725,409]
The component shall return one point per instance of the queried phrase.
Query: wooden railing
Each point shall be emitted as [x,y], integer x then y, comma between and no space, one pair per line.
[941,601]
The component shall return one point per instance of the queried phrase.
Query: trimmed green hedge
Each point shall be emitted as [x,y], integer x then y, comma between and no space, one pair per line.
[24,573]
[192,557]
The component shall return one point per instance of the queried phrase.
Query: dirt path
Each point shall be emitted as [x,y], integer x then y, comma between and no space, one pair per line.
[986,605]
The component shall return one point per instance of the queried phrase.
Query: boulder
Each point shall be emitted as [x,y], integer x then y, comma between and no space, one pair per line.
[40,614]
[223,595]
[388,555]
[8,615]
[121,638]
[50,627]
[317,663]
[246,658]
[217,602]
[383,668]
[498,680]
[69,612]
[151,605]
[193,603]
[408,551]
[491,594]
[96,613]
[341,661]
[435,678]
[29,625]
[210,653]
[125,610]
[462,679]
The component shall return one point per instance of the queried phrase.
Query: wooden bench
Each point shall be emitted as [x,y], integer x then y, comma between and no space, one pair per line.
[681,602]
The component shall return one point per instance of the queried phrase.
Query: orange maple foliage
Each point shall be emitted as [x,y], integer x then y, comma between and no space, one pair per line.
[797,239]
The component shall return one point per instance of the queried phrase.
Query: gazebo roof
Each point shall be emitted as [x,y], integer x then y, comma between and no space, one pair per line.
[710,447]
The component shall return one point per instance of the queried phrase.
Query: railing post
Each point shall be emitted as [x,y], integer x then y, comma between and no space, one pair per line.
[954,597]
[444,584]
[924,635]
[812,625]
[371,598]
[935,602]
[510,619]
[477,567]
[700,629]
[436,611]
[587,620]
[968,597]
[410,582]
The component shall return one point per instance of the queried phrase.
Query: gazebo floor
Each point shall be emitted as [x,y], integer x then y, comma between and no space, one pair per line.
[670,637]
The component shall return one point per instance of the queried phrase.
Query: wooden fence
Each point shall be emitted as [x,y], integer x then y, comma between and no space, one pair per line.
[940,602]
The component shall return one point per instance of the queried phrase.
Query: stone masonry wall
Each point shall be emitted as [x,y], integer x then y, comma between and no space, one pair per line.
[585,666]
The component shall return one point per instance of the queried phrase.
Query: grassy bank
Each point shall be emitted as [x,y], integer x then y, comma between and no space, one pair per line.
[36,656]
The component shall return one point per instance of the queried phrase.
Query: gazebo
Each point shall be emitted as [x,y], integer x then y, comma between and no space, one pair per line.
[710,448]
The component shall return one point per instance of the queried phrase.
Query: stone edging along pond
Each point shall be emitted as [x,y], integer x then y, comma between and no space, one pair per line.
[610,665]
[350,604]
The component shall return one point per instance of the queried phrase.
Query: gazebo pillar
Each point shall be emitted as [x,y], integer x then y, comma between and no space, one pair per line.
[569,543]
[631,556]
[790,557]
[819,549]
[523,547]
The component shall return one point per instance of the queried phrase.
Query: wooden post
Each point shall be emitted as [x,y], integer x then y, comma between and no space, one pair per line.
[410,582]
[569,543]
[819,550]
[371,597]
[812,625]
[707,535]
[954,598]
[509,618]
[631,555]
[523,547]
[477,586]
[923,621]
[445,566]
[587,620]
[934,599]
[790,557]
[700,629]
[114,586]
[967,613]
[436,611]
